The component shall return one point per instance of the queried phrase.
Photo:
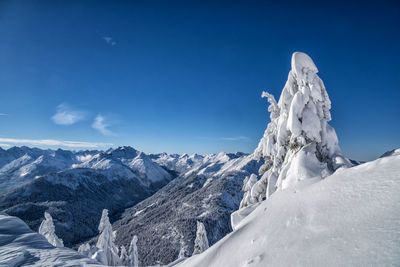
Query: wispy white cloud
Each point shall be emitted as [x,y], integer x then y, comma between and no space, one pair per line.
[52,142]
[109,40]
[101,125]
[236,138]
[3,114]
[66,115]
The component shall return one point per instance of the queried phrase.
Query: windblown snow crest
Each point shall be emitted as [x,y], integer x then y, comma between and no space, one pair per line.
[298,143]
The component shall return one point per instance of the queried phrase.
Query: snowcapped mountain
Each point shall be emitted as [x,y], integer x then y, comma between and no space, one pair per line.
[19,246]
[87,183]
[350,218]
[20,165]
[127,162]
[178,163]
[165,223]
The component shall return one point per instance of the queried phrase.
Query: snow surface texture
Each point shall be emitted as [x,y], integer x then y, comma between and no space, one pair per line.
[20,246]
[351,218]
[298,143]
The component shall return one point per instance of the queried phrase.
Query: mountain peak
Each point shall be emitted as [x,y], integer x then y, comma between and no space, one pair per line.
[124,151]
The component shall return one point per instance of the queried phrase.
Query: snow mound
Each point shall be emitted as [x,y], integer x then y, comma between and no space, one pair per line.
[351,218]
[20,246]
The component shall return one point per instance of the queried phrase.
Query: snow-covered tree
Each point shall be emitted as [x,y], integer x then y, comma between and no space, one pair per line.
[201,241]
[47,229]
[123,256]
[107,252]
[89,251]
[84,249]
[298,142]
[133,258]
[184,250]
[248,183]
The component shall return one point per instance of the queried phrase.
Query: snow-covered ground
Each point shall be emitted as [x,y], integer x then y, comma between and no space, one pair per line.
[351,218]
[20,246]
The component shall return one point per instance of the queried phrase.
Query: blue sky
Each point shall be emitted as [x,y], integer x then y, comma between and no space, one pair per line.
[184,77]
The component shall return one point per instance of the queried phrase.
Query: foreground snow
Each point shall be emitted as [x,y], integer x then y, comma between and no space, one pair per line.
[351,218]
[20,246]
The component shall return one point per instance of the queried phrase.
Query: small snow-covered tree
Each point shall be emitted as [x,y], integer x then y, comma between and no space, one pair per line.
[87,250]
[47,229]
[123,256]
[108,251]
[184,250]
[298,142]
[201,241]
[84,249]
[133,257]
[248,183]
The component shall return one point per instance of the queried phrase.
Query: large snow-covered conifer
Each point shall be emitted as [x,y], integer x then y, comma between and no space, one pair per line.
[298,142]
[108,251]
[201,241]
[47,229]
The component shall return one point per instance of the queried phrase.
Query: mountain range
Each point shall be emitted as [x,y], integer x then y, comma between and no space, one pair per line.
[158,197]
[75,186]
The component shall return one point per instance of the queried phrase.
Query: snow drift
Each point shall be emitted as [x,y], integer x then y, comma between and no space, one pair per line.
[20,246]
[351,218]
